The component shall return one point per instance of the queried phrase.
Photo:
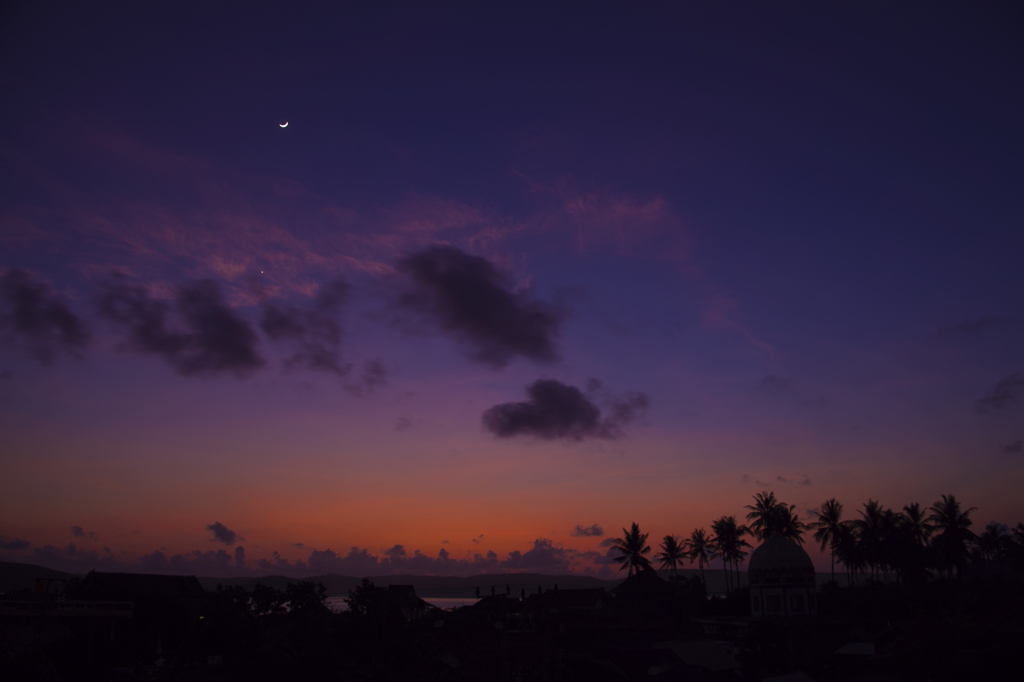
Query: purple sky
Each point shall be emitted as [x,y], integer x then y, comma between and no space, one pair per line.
[505,275]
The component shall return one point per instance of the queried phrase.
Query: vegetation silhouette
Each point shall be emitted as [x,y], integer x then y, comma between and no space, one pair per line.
[700,548]
[672,554]
[728,545]
[828,523]
[933,600]
[954,533]
[633,547]
[768,516]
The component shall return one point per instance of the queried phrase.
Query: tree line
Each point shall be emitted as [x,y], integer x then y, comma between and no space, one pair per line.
[912,544]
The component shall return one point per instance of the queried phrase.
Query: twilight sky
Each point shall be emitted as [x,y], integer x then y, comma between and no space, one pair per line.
[509,280]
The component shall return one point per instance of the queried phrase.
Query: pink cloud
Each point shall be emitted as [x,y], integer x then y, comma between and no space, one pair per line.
[720,312]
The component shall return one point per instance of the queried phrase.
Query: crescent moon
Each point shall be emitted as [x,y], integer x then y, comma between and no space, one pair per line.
[283,125]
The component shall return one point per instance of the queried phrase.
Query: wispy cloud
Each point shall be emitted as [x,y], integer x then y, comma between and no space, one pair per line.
[973,327]
[1004,394]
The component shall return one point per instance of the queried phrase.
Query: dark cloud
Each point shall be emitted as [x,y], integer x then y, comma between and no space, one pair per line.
[625,408]
[396,551]
[1004,394]
[396,560]
[197,562]
[14,544]
[477,539]
[544,557]
[592,531]
[358,562]
[75,560]
[973,327]
[280,565]
[214,339]
[79,532]
[607,542]
[608,558]
[314,331]
[403,424]
[240,558]
[374,376]
[1014,448]
[804,480]
[31,315]
[771,382]
[222,533]
[471,300]
[558,411]
[298,544]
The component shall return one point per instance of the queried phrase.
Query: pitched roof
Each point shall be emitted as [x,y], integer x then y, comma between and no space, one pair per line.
[646,581]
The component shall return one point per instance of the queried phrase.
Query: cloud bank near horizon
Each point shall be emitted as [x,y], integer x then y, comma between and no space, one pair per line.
[544,556]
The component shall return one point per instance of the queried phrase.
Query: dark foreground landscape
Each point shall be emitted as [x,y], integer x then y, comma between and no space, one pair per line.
[110,626]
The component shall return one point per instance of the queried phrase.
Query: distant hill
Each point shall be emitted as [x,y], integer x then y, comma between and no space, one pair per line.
[428,585]
[15,576]
[19,576]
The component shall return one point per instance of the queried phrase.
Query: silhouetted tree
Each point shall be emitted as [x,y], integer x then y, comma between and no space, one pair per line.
[769,517]
[729,543]
[672,554]
[367,600]
[266,600]
[829,521]
[699,548]
[913,534]
[633,548]
[993,544]
[870,529]
[920,529]
[952,543]
[849,551]
[305,595]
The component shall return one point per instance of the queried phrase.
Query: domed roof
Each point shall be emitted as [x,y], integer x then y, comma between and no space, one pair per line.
[779,554]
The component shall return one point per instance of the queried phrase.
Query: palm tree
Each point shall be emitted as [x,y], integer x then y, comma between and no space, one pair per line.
[954,526]
[920,530]
[672,554]
[829,520]
[700,549]
[870,531]
[849,551]
[769,517]
[633,548]
[1018,533]
[992,543]
[729,543]
[737,554]
[762,512]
